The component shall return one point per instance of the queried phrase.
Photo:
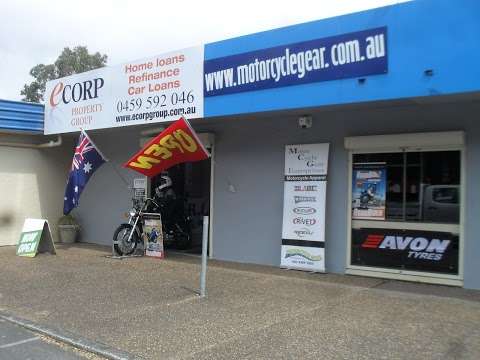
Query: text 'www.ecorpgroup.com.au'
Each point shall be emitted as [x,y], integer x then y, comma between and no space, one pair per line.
[159,114]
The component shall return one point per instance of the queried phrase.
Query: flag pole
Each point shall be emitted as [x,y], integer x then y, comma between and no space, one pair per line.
[106,160]
[120,175]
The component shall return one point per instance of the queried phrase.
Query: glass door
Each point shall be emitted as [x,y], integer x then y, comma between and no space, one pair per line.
[406,211]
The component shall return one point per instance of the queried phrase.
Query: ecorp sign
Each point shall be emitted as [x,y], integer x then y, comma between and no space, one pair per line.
[157,89]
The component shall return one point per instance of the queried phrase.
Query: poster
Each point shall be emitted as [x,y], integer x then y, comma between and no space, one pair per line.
[368,192]
[305,188]
[153,235]
[151,90]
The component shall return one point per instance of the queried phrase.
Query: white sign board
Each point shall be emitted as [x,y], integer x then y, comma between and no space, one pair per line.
[153,236]
[157,89]
[36,237]
[305,188]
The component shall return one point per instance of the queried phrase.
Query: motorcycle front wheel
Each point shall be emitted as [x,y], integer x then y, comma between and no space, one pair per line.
[121,243]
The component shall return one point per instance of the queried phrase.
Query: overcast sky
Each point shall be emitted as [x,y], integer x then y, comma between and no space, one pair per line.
[36,31]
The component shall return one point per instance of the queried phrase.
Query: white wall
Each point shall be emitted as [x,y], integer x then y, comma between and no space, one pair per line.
[32,184]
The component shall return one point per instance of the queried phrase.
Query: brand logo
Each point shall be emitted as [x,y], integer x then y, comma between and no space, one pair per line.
[301,233]
[299,199]
[302,253]
[304,221]
[417,247]
[304,210]
[369,175]
[79,91]
[305,156]
[305,188]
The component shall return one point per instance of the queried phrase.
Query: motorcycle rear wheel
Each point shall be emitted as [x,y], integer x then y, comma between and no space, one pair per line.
[120,240]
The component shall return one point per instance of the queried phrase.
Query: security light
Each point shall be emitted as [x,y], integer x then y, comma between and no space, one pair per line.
[305,121]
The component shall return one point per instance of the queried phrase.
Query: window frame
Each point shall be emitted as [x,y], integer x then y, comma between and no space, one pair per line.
[408,275]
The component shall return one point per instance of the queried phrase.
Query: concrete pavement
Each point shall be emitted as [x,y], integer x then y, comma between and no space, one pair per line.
[16,343]
[147,307]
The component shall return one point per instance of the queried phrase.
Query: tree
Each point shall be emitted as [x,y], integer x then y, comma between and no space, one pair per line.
[69,62]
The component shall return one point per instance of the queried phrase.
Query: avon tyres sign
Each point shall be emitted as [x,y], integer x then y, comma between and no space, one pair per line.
[303,230]
[176,144]
[427,251]
[337,57]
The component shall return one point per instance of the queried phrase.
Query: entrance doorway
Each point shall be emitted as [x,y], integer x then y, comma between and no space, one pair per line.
[191,191]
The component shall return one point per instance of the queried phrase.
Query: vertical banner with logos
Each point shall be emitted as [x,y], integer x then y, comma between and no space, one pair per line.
[305,188]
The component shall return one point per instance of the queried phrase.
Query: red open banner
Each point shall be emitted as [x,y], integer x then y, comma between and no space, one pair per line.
[176,144]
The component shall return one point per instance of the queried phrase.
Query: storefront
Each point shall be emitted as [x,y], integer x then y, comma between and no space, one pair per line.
[396,101]
[407,199]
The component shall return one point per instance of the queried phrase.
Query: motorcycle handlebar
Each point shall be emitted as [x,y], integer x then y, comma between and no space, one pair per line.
[147,200]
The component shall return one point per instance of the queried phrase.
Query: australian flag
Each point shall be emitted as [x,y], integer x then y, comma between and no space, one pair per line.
[86,159]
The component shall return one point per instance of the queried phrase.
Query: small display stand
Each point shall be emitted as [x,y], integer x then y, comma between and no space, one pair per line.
[153,235]
[35,238]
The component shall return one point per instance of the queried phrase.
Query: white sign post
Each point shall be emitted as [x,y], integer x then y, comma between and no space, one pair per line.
[305,188]
[157,89]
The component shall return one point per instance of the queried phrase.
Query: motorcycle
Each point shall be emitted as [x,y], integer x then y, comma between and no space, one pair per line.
[367,197]
[175,226]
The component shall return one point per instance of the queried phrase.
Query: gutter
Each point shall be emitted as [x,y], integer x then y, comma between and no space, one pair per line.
[50,144]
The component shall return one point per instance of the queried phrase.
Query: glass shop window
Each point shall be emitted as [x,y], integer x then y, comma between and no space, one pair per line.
[407,186]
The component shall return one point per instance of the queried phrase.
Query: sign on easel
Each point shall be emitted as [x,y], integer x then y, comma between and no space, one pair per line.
[36,238]
[153,235]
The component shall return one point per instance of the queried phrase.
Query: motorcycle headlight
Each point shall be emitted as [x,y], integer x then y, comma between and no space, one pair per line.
[132,213]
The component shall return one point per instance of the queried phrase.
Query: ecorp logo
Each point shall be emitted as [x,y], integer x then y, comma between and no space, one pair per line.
[304,210]
[417,247]
[299,199]
[79,91]
[303,232]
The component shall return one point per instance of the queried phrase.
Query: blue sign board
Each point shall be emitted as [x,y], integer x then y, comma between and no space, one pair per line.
[337,57]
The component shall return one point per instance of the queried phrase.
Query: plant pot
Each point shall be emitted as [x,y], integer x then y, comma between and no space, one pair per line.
[68,233]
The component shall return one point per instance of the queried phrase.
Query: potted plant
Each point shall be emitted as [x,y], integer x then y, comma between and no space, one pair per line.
[68,229]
